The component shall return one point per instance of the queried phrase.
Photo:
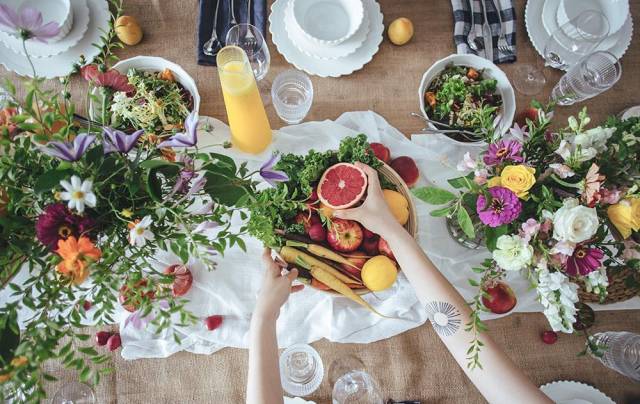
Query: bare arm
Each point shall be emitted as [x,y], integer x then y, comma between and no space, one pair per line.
[263,384]
[500,380]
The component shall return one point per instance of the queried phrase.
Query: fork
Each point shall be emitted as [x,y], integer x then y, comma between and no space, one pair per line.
[250,40]
[503,46]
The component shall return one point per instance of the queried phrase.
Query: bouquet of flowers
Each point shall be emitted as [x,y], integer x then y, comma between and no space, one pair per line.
[562,208]
[84,210]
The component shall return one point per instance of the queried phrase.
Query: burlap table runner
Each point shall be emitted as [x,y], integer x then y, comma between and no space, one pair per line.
[414,365]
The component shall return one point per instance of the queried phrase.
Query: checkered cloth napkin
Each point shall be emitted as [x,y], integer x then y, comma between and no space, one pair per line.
[462,20]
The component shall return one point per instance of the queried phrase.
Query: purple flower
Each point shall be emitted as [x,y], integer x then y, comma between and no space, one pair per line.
[27,23]
[503,208]
[57,222]
[504,150]
[69,151]
[204,227]
[187,138]
[270,175]
[197,186]
[584,260]
[117,140]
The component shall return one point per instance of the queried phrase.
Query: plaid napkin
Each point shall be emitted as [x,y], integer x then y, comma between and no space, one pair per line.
[205,21]
[462,20]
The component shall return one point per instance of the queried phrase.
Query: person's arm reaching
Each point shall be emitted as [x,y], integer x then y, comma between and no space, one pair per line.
[499,380]
[263,382]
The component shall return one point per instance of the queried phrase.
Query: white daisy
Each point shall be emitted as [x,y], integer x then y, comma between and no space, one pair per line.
[140,233]
[78,193]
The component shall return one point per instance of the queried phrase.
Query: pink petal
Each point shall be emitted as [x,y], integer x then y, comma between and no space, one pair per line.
[30,18]
[49,30]
[8,16]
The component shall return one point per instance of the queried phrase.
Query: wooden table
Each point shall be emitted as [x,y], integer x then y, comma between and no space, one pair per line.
[414,365]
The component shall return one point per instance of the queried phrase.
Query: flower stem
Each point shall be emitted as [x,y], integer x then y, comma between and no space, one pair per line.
[564,183]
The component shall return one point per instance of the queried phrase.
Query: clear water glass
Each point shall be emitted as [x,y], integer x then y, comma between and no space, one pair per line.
[301,370]
[292,95]
[621,352]
[250,39]
[356,387]
[579,36]
[74,393]
[593,75]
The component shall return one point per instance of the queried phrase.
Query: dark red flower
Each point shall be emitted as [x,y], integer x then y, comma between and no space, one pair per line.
[584,260]
[112,78]
[57,222]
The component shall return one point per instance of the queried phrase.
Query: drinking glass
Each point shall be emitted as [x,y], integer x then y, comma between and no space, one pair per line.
[356,387]
[593,75]
[74,393]
[292,95]
[250,39]
[301,370]
[579,36]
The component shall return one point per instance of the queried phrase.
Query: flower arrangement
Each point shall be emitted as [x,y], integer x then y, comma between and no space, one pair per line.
[85,207]
[561,207]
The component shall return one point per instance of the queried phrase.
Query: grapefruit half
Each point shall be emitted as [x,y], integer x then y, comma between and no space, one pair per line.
[342,186]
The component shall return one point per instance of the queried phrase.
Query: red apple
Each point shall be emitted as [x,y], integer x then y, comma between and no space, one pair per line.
[370,246]
[384,249]
[317,232]
[114,342]
[381,151]
[213,322]
[407,169]
[307,219]
[102,337]
[528,113]
[182,279]
[549,337]
[368,233]
[501,297]
[357,258]
[344,235]
[131,299]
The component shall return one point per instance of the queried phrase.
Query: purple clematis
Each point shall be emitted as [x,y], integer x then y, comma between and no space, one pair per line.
[187,138]
[27,22]
[270,175]
[69,151]
[119,141]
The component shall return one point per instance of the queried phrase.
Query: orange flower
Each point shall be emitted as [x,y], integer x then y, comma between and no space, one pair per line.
[75,254]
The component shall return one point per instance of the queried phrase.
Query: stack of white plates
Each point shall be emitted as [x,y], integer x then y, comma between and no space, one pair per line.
[295,40]
[542,18]
[88,21]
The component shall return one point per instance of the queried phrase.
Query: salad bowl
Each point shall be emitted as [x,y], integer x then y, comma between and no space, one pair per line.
[506,111]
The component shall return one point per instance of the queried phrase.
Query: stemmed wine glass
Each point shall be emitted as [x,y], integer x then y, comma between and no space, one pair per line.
[250,39]
[351,384]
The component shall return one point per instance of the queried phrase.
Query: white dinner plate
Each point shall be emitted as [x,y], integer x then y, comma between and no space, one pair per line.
[62,64]
[36,49]
[334,68]
[569,392]
[538,28]
[324,52]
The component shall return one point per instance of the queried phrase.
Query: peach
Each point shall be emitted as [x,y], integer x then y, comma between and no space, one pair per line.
[381,151]
[407,169]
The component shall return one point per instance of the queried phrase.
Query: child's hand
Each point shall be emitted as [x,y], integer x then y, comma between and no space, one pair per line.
[275,287]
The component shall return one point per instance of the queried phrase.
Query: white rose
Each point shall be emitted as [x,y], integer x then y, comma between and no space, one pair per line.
[574,222]
[512,253]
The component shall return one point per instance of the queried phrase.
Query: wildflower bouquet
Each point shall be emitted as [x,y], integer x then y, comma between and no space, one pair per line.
[562,208]
[85,209]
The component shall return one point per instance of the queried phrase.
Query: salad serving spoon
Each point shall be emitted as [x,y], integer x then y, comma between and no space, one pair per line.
[471,136]
[213,45]
[472,37]
[233,21]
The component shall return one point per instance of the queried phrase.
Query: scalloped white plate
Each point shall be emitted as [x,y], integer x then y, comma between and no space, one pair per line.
[62,64]
[334,68]
[535,23]
[296,400]
[570,392]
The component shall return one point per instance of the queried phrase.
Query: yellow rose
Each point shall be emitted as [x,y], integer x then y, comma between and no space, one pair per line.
[625,216]
[494,182]
[518,179]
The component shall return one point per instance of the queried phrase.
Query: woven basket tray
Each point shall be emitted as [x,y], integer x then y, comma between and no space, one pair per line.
[617,290]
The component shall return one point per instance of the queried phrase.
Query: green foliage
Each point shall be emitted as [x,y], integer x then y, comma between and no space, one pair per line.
[433,195]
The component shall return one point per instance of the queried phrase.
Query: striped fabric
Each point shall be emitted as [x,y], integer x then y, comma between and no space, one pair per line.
[462,20]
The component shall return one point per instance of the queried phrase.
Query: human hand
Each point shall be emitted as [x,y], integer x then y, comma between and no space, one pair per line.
[374,213]
[275,287]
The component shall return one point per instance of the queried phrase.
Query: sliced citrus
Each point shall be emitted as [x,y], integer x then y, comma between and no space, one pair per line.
[342,186]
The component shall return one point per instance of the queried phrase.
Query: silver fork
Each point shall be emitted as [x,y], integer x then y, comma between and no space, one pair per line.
[249,39]
[213,45]
[472,37]
[503,46]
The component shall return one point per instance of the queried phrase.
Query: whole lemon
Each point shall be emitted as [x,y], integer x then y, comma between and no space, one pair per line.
[379,273]
[400,31]
[128,30]
[398,205]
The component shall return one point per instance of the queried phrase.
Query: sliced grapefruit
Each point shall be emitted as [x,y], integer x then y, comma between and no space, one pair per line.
[342,186]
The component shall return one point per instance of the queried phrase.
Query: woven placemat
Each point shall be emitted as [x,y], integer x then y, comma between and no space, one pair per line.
[618,291]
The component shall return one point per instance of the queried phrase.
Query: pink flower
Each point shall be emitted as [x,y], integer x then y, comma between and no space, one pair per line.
[503,208]
[592,183]
[529,229]
[631,250]
[27,22]
[467,163]
[111,79]
[564,248]
[562,170]
[584,260]
[519,132]
[610,197]
[502,151]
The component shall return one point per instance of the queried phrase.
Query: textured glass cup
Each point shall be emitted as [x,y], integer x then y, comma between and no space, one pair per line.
[356,387]
[250,39]
[292,95]
[301,370]
[593,75]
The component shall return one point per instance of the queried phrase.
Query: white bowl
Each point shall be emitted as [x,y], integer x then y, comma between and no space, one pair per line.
[505,89]
[328,22]
[616,11]
[58,11]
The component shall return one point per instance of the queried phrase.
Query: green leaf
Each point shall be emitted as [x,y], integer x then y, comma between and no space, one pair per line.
[464,221]
[441,212]
[47,181]
[460,182]
[492,234]
[433,195]
[224,189]
[9,336]
[150,164]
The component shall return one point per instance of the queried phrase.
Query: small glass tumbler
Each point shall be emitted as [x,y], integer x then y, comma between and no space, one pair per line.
[301,370]
[292,95]
[593,75]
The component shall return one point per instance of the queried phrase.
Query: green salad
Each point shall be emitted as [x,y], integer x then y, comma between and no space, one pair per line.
[463,98]
[159,104]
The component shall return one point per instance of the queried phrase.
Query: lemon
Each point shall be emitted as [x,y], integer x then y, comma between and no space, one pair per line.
[379,273]
[400,31]
[128,30]
[398,205]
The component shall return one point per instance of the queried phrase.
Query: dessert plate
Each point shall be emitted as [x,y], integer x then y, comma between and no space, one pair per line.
[566,392]
[62,64]
[539,35]
[337,67]
[318,51]
[36,49]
